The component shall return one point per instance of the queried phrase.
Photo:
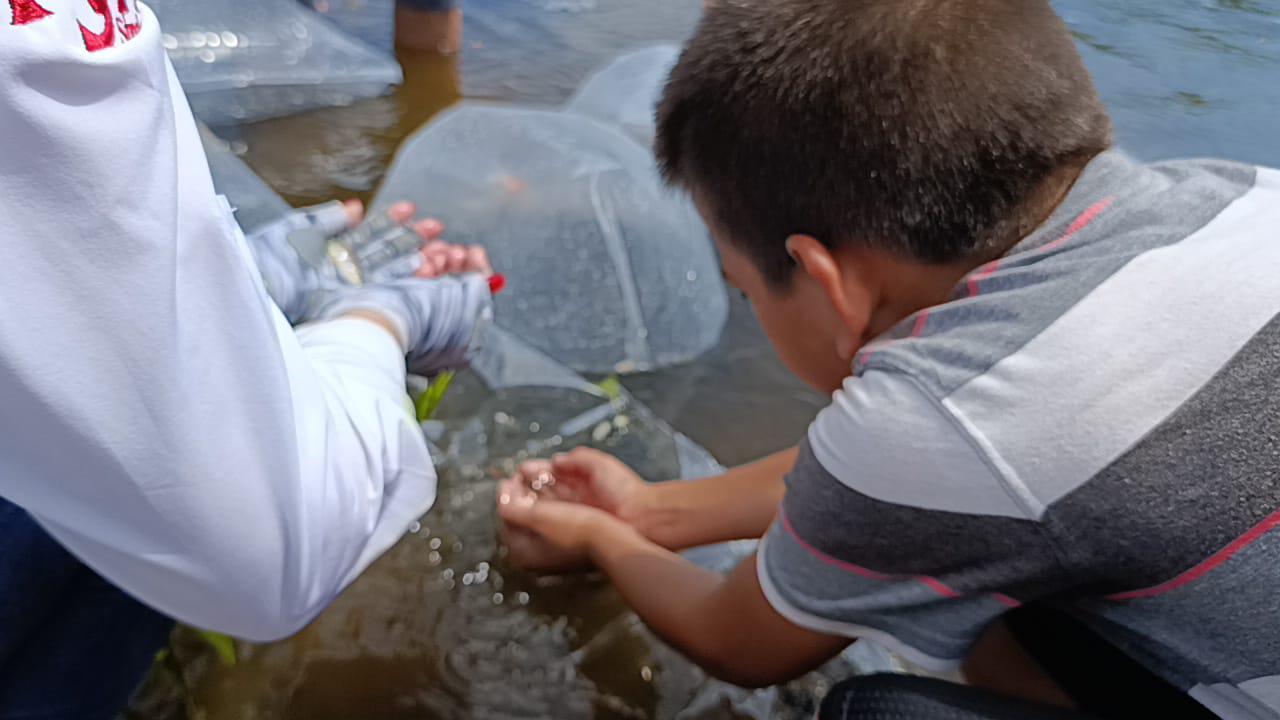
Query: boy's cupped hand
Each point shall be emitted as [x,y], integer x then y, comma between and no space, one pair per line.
[550,509]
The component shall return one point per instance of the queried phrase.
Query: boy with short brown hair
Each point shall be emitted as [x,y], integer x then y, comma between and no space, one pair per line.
[1051,366]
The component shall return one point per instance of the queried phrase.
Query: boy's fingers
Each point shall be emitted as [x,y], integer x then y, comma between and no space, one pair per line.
[516,503]
[580,461]
[532,468]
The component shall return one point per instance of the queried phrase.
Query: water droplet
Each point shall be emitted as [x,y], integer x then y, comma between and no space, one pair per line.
[534,427]
[446,574]
[646,673]
[415,527]
[497,598]
[691,276]
[207,56]
[468,578]
[482,567]
[522,598]
[435,543]
[433,558]
[230,39]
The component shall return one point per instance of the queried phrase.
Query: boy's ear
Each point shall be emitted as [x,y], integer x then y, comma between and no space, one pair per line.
[844,289]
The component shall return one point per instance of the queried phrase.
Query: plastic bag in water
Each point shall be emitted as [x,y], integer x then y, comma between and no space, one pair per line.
[608,271]
[373,21]
[245,60]
[255,203]
[625,93]
[542,50]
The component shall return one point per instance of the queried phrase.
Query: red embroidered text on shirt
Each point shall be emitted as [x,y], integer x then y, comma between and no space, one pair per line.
[115,29]
[27,11]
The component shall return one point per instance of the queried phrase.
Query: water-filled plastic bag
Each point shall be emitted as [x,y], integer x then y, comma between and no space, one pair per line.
[625,93]
[255,203]
[245,60]
[608,270]
[373,21]
[542,50]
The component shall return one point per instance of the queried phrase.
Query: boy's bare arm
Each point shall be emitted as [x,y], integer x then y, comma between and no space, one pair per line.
[723,623]
[676,515]
[740,504]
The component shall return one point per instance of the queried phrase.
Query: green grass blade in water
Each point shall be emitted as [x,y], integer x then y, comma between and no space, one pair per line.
[429,401]
[221,644]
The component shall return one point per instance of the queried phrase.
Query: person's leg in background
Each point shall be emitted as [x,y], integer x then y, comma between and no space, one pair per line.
[429,25]
[72,646]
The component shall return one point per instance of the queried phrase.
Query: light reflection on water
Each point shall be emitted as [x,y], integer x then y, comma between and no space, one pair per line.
[1182,77]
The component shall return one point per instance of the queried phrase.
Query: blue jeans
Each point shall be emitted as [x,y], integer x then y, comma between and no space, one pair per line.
[72,646]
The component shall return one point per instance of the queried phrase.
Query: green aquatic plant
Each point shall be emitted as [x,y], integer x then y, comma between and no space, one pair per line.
[223,645]
[429,401]
[611,386]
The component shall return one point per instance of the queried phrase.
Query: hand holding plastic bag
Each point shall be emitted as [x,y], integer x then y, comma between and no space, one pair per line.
[440,322]
[318,248]
[289,278]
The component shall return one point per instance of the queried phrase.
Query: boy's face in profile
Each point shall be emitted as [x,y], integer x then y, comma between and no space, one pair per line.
[799,320]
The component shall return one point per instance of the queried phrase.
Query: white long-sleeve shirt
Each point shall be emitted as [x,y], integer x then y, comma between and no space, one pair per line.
[157,414]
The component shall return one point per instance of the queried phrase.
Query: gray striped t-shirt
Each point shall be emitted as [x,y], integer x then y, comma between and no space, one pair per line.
[1092,422]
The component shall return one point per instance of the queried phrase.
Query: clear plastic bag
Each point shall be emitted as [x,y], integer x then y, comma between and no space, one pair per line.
[625,92]
[372,21]
[245,60]
[608,270]
[542,50]
[255,203]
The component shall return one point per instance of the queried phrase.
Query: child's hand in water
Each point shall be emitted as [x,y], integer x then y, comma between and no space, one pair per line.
[548,506]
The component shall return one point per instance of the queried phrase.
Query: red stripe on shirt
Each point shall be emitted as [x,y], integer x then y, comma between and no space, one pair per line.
[847,566]
[934,584]
[1270,523]
[1085,220]
[922,320]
